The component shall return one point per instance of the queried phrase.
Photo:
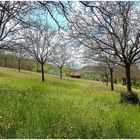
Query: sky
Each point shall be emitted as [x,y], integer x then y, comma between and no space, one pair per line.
[61,19]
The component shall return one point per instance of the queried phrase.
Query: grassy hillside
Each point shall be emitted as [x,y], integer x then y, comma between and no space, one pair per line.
[66,108]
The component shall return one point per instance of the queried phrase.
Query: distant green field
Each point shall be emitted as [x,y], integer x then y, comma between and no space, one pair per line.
[67,108]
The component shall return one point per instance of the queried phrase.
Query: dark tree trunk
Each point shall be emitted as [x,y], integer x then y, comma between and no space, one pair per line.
[19,65]
[5,61]
[42,70]
[129,97]
[128,78]
[111,79]
[61,72]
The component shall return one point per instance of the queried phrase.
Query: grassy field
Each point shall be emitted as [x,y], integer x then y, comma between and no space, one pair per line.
[66,108]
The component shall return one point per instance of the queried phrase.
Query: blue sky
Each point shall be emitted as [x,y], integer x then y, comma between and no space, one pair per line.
[61,19]
[38,14]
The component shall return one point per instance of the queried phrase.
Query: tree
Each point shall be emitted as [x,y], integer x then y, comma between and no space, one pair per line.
[117,20]
[105,59]
[5,54]
[110,63]
[20,53]
[11,15]
[40,45]
[60,55]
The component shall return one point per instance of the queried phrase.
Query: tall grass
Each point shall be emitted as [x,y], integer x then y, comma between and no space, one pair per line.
[65,108]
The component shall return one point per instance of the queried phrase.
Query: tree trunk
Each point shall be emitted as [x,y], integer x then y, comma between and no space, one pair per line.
[19,65]
[61,72]
[128,78]
[42,70]
[111,79]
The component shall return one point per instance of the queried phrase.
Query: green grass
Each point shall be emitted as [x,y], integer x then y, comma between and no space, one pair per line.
[66,108]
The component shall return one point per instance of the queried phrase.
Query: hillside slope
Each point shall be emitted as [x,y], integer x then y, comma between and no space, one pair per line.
[63,108]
